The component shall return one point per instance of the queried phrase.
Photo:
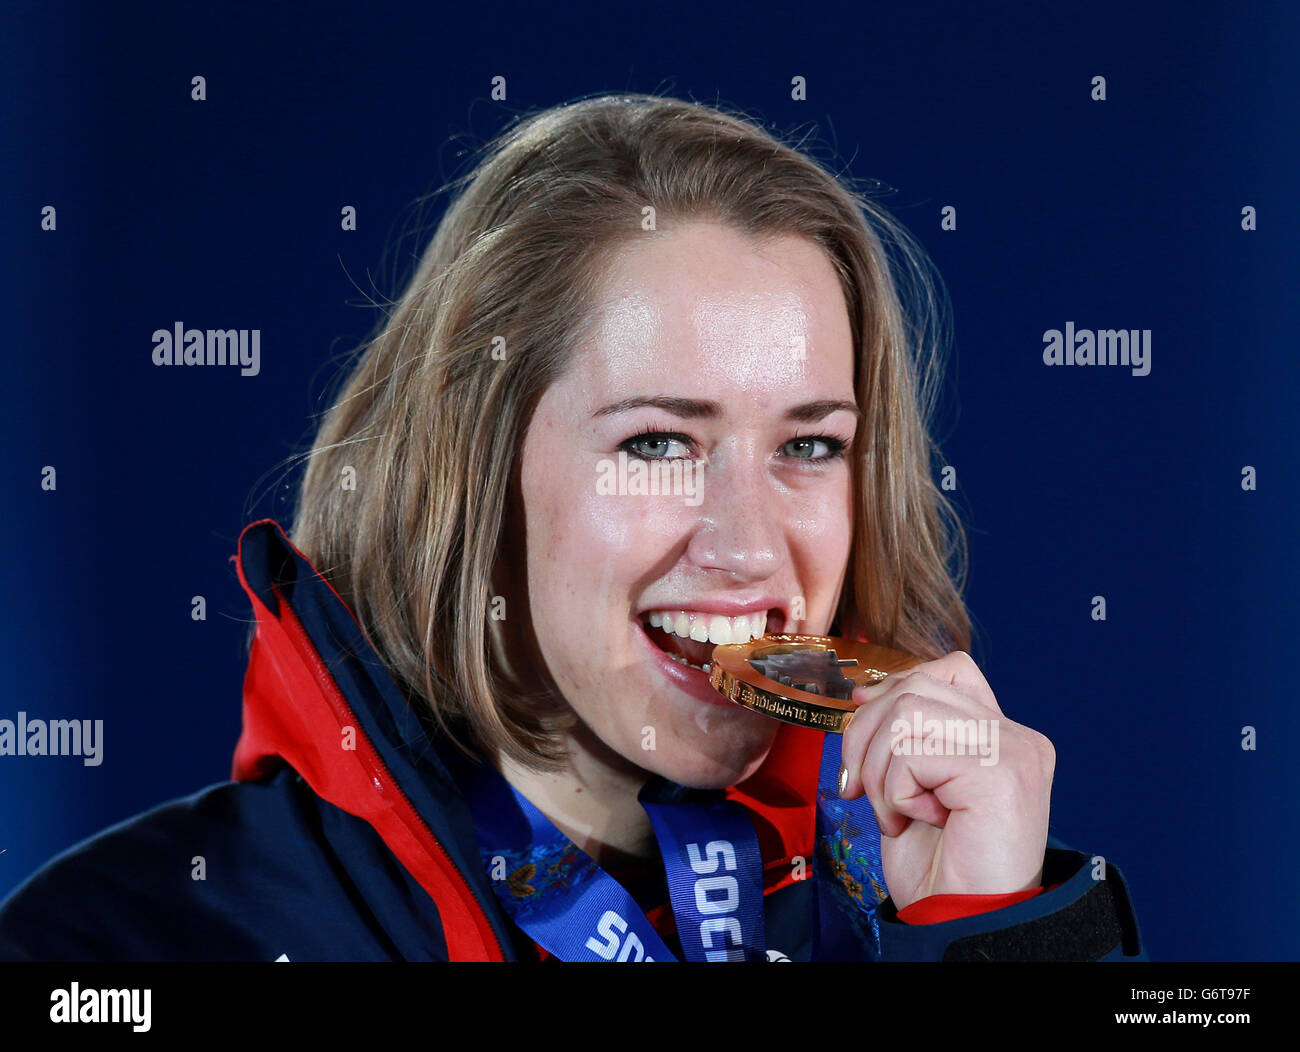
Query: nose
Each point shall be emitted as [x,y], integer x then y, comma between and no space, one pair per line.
[741,527]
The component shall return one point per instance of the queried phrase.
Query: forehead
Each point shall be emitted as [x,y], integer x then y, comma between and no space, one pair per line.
[703,306]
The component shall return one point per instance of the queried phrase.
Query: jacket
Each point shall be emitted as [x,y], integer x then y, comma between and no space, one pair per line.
[342,836]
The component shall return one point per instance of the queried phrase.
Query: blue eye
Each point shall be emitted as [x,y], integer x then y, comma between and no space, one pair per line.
[816,447]
[667,445]
[655,445]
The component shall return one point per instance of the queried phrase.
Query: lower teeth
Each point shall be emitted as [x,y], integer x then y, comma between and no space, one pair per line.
[682,661]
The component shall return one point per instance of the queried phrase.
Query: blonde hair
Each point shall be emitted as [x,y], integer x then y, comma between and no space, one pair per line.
[432,421]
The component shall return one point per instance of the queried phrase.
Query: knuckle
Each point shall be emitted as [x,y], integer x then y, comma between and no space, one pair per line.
[905,704]
[1046,751]
[1033,762]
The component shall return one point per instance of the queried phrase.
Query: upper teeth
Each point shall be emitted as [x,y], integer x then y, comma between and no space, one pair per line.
[710,628]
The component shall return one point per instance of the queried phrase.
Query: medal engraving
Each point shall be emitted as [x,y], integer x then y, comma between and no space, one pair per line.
[804,680]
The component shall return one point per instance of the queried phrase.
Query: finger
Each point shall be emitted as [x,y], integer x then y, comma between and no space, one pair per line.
[874,705]
[905,796]
[936,741]
[958,669]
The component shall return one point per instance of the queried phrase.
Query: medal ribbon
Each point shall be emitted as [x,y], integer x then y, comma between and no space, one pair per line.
[849,874]
[715,876]
[576,911]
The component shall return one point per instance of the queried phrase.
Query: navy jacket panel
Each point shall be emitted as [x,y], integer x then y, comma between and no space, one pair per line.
[234,872]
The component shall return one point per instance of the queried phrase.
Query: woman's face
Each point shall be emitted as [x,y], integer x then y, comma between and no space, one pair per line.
[691,468]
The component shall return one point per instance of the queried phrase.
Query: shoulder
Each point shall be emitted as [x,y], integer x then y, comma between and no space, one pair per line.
[228,873]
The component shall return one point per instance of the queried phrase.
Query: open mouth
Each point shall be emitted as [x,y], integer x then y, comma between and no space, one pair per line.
[688,637]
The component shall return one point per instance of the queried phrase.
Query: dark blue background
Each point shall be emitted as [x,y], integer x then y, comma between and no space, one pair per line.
[1072,481]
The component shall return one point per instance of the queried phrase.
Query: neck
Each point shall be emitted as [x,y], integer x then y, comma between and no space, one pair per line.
[593,800]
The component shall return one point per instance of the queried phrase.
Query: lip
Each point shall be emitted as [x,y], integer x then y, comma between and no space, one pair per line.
[692,681]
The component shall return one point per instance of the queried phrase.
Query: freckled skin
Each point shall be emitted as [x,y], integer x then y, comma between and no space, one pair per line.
[702,312]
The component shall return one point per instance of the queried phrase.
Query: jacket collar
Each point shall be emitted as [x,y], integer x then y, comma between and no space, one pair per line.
[317,697]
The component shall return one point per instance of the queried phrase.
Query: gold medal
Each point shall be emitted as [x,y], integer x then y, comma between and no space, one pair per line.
[804,680]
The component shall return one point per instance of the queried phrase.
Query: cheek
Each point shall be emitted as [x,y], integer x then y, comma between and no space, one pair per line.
[822,532]
[586,549]
[570,524]
[825,521]
[605,528]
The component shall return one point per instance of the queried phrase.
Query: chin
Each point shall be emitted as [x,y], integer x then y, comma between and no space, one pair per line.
[715,764]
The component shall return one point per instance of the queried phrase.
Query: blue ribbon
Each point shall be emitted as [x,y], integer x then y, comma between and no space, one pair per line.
[715,875]
[576,911]
[848,873]
[567,904]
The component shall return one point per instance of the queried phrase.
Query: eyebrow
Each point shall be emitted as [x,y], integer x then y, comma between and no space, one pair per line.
[691,408]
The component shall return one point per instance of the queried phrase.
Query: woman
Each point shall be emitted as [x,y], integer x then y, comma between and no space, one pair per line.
[504,745]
